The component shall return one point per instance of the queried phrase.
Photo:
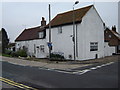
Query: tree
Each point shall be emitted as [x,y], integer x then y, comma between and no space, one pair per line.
[5,40]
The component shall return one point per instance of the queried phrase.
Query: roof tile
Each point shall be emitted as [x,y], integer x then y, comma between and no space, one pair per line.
[67,17]
[29,34]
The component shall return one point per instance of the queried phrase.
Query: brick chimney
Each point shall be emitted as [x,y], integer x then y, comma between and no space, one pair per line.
[114,28]
[43,22]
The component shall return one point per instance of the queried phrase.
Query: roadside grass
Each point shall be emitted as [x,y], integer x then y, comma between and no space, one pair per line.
[6,55]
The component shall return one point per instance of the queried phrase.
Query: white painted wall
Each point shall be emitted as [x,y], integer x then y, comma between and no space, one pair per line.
[30,45]
[90,30]
[108,50]
[61,42]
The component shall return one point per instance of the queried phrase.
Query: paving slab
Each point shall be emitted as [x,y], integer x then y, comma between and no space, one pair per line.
[42,64]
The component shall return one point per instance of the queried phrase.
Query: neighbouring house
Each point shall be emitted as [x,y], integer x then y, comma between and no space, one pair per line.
[89,36]
[11,46]
[112,37]
[33,40]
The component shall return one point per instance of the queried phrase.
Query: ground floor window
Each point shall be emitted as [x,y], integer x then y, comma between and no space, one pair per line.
[42,49]
[93,46]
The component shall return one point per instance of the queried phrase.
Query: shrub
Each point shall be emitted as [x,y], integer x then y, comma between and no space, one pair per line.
[14,54]
[21,53]
[57,56]
[8,52]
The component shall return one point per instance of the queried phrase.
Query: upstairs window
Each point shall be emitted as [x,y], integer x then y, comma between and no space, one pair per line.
[41,34]
[110,36]
[60,30]
[93,46]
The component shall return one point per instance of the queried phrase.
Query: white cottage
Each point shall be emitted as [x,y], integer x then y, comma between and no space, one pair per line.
[89,36]
[33,40]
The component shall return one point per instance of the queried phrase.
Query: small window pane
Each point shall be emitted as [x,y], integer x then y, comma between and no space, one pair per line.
[93,46]
[42,48]
[41,34]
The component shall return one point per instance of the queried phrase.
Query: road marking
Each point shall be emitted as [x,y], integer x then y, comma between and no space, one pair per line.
[19,85]
[93,68]
[78,72]
[99,66]
[85,71]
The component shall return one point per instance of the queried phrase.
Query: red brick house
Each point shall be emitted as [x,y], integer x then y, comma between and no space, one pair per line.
[113,38]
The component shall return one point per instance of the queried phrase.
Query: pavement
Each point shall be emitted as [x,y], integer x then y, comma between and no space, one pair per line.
[62,66]
[66,65]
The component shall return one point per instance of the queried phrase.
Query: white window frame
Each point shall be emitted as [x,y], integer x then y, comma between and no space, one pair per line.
[93,46]
[41,34]
[42,48]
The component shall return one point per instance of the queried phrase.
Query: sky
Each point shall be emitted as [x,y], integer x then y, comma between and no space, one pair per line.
[16,16]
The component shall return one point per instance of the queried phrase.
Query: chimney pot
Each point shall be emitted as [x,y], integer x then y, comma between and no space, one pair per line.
[114,28]
[43,22]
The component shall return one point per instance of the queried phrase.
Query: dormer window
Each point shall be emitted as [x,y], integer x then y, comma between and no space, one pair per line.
[41,34]
[60,30]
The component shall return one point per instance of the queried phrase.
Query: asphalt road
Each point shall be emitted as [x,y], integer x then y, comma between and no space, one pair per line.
[7,86]
[104,77]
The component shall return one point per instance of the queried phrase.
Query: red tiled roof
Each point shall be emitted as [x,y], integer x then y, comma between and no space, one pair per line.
[29,34]
[60,19]
[67,17]
[116,34]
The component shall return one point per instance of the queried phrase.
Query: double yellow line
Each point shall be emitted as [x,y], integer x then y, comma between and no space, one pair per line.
[16,84]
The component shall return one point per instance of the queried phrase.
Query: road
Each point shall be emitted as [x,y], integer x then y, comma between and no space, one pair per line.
[7,86]
[104,76]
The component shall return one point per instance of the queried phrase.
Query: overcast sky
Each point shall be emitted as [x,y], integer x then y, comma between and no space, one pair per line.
[18,15]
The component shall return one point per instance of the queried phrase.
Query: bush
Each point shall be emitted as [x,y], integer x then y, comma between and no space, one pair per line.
[21,53]
[14,54]
[57,56]
[8,52]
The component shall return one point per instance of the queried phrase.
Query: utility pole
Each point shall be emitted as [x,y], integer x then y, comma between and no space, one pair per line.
[74,30]
[49,31]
